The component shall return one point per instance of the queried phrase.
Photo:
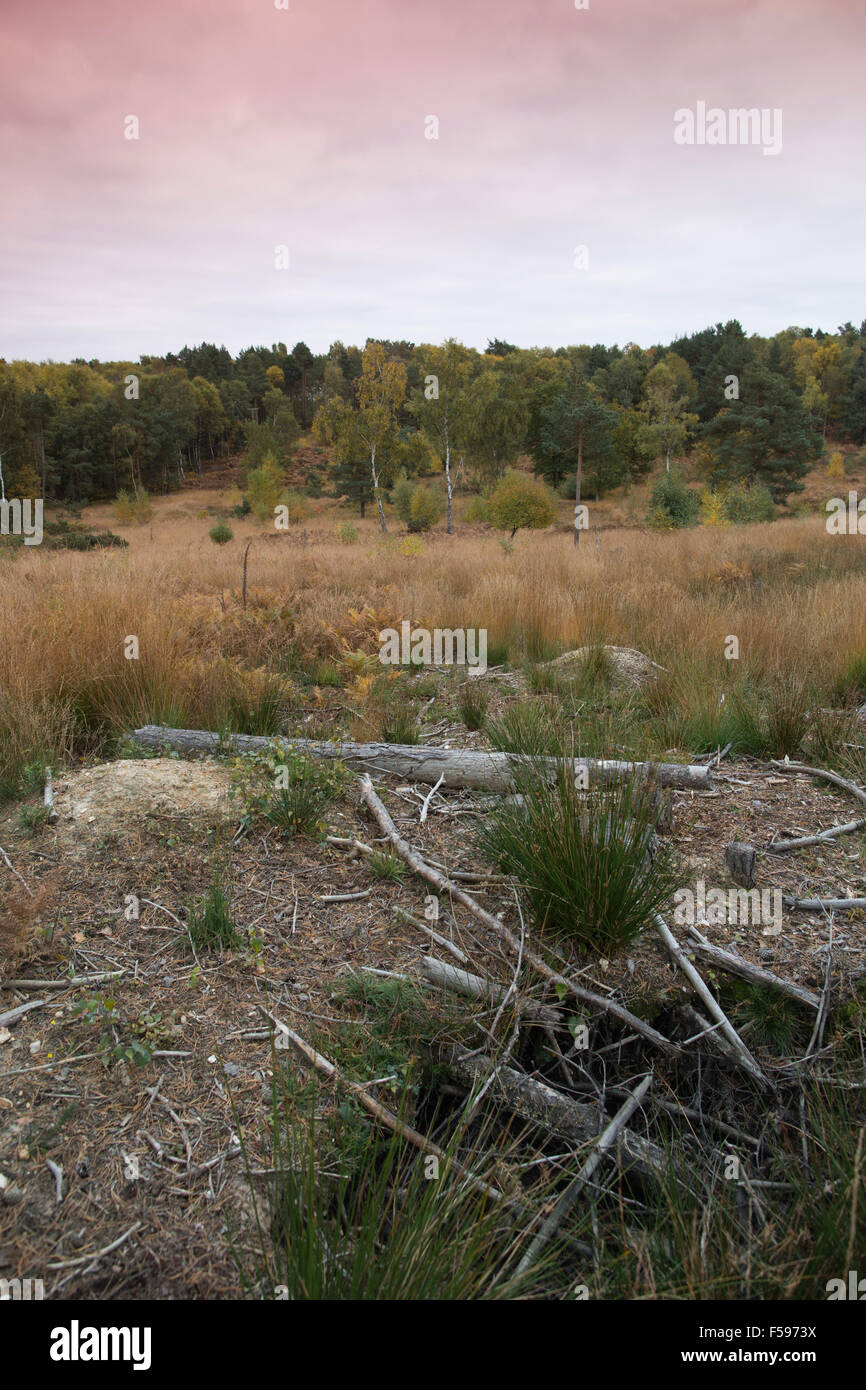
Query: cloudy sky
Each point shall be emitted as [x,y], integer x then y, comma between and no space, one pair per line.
[309,128]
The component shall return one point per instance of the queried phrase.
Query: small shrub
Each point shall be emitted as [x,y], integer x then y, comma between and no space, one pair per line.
[347,534]
[221,534]
[123,509]
[90,540]
[297,504]
[746,505]
[401,498]
[265,486]
[520,501]
[672,504]
[475,510]
[425,508]
[133,507]
[410,546]
[713,509]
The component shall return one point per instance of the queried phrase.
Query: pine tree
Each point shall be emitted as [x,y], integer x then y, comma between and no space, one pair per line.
[766,435]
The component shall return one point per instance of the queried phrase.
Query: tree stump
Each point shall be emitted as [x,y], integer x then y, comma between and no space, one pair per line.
[740,859]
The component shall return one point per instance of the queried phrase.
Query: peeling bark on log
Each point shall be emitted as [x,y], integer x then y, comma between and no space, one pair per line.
[457,767]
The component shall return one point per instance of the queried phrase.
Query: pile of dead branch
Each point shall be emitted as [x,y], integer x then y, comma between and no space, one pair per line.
[675,1162]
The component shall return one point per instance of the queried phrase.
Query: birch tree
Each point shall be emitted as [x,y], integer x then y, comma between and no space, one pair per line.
[439,404]
[370,427]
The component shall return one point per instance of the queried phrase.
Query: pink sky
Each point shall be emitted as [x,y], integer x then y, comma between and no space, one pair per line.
[261,127]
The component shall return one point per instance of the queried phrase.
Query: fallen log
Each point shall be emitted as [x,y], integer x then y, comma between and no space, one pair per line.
[806,841]
[825,904]
[440,940]
[12,1015]
[574,1189]
[456,767]
[756,974]
[66,982]
[438,972]
[550,1110]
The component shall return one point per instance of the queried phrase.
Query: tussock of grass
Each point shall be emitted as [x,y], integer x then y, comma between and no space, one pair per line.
[472,702]
[305,790]
[211,924]
[527,726]
[377,1222]
[585,862]
[386,867]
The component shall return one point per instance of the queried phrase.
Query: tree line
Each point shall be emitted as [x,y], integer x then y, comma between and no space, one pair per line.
[589,417]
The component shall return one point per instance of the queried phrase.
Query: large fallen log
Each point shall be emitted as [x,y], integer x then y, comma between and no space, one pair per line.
[454,767]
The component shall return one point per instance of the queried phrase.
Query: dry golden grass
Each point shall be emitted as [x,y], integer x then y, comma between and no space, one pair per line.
[793,595]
